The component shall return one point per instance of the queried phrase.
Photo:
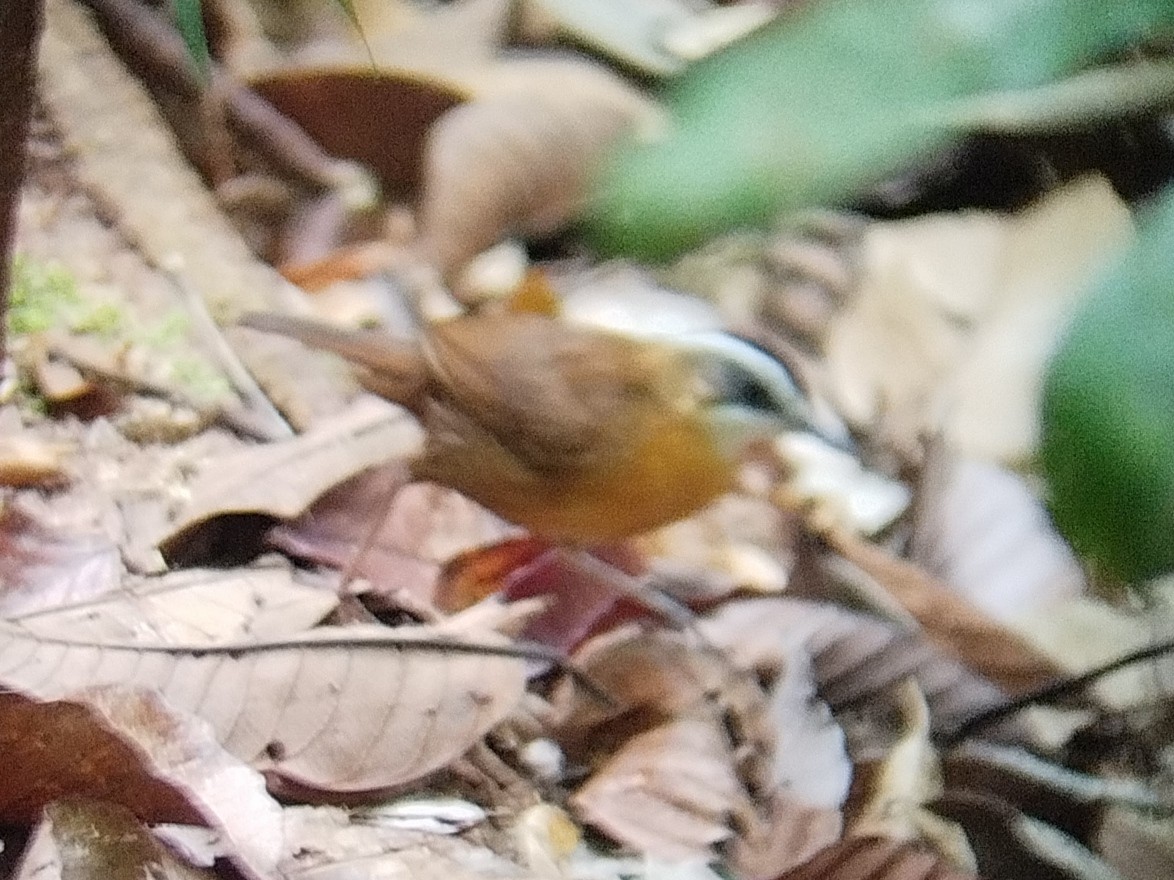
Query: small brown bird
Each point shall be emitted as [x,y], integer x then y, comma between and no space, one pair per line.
[581,436]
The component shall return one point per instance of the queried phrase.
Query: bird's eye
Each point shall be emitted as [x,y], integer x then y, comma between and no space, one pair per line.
[736,384]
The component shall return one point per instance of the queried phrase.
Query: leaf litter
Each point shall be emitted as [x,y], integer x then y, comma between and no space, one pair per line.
[732,745]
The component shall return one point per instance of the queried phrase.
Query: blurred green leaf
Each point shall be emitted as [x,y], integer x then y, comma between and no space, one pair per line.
[190,21]
[1107,446]
[832,97]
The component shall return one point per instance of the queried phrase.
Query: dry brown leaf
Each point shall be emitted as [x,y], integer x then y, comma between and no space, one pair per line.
[193,607]
[90,840]
[981,530]
[699,743]
[425,526]
[517,157]
[26,460]
[891,794]
[957,313]
[325,843]
[137,752]
[809,775]
[42,742]
[951,622]
[41,568]
[791,833]
[650,676]
[675,750]
[872,859]
[281,480]
[353,709]
[738,542]
[376,117]
[668,791]
[854,656]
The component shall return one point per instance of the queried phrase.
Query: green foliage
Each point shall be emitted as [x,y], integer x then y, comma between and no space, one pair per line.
[832,97]
[190,20]
[1108,414]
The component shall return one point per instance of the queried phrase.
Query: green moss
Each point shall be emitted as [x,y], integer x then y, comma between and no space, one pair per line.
[104,320]
[41,294]
[202,381]
[45,296]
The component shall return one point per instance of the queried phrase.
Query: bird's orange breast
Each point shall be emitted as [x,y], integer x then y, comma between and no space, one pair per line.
[670,468]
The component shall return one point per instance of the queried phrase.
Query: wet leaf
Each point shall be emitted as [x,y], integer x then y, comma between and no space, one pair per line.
[339,709]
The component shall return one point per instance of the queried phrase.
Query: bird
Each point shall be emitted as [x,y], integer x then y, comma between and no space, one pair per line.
[580,435]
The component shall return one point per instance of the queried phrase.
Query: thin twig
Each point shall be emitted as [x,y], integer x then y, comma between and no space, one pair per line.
[147,40]
[266,418]
[1050,693]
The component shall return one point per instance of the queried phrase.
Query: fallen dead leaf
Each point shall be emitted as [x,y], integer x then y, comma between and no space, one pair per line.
[854,657]
[1139,847]
[891,795]
[122,153]
[281,480]
[326,843]
[1008,843]
[126,747]
[355,709]
[668,792]
[696,753]
[957,313]
[379,118]
[27,461]
[424,527]
[42,568]
[517,157]
[194,607]
[953,623]
[875,859]
[1076,803]
[979,528]
[90,840]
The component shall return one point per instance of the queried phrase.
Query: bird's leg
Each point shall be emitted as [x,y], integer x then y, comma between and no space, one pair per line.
[659,603]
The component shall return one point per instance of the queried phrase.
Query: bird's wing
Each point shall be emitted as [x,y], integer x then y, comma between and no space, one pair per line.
[554,395]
